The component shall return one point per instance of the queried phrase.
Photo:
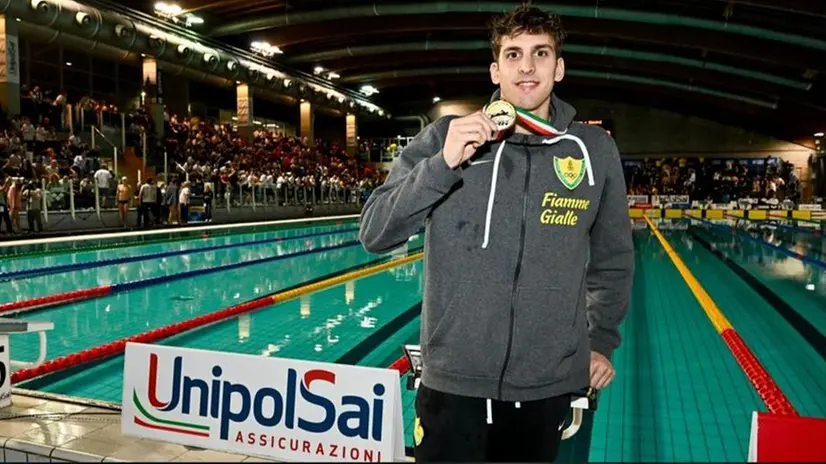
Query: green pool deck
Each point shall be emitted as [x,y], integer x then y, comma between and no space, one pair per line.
[679,394]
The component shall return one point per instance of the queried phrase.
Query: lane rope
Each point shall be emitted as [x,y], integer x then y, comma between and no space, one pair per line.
[173,231]
[37,272]
[185,234]
[50,301]
[117,347]
[793,254]
[774,221]
[767,389]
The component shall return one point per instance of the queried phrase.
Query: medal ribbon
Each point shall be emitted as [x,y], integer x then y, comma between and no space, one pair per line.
[535,123]
[531,122]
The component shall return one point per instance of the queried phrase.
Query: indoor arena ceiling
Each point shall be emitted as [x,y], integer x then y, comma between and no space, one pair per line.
[758,64]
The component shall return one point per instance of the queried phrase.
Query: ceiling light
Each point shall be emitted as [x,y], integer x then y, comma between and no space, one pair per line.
[170,9]
[819,134]
[68,63]
[369,90]
[318,70]
[265,48]
[436,99]
[192,19]
[333,75]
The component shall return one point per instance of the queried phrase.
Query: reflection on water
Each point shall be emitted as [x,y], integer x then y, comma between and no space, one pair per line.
[90,324]
[17,290]
[757,257]
[762,259]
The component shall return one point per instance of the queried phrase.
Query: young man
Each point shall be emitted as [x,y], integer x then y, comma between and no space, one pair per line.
[528,257]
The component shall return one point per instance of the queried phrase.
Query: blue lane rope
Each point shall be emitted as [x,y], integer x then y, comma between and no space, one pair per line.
[29,273]
[125,286]
[780,249]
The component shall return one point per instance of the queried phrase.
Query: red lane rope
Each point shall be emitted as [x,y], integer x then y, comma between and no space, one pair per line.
[32,303]
[402,365]
[117,347]
[775,400]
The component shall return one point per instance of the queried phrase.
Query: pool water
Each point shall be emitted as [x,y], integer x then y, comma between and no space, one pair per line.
[679,394]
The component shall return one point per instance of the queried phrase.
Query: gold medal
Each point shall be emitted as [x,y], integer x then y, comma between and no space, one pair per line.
[502,113]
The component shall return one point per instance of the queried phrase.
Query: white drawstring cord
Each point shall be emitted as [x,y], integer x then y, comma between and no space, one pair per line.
[492,193]
[498,158]
[489,408]
[582,147]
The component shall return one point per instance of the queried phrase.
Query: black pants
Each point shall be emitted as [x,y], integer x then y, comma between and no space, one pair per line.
[208,210]
[144,219]
[455,429]
[6,218]
[35,221]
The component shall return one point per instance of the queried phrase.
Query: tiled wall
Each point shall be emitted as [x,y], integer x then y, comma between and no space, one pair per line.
[16,450]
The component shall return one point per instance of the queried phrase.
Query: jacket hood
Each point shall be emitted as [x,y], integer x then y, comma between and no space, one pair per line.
[562,112]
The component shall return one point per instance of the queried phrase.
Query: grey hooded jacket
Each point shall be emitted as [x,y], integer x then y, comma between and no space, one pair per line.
[528,256]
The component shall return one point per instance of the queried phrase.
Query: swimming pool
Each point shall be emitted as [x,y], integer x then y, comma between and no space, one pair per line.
[679,394]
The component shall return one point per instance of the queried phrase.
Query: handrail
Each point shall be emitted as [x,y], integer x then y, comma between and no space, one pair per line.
[114,148]
[41,355]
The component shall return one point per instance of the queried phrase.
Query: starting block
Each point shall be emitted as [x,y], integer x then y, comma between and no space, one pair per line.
[778,438]
[581,400]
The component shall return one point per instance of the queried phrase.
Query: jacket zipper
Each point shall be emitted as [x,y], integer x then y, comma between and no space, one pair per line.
[517,271]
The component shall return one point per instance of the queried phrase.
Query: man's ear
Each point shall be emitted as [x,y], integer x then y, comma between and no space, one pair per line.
[494,73]
[559,73]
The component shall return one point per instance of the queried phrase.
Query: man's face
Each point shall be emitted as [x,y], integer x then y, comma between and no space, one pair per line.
[526,69]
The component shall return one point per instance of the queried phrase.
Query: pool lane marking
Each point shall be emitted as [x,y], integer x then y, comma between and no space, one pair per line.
[768,390]
[736,231]
[184,230]
[358,352]
[772,221]
[117,347]
[43,271]
[810,333]
[767,225]
[181,235]
[59,299]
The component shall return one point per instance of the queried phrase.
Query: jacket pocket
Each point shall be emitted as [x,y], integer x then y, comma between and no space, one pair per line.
[548,329]
[469,339]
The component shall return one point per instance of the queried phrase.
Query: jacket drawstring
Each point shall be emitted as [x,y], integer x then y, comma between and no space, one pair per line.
[492,195]
[489,407]
[582,147]
[495,175]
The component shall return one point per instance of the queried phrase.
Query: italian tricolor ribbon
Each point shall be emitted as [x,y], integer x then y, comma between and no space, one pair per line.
[505,115]
[535,123]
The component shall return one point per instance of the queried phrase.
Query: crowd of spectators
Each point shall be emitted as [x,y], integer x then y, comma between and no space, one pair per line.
[269,167]
[714,180]
[212,165]
[39,154]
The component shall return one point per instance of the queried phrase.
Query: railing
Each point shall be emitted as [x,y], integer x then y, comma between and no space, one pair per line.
[61,201]
[292,195]
[100,135]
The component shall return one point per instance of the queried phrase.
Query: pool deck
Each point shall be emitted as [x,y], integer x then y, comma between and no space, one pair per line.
[59,431]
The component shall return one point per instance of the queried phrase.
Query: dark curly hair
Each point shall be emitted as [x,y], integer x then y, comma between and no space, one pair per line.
[526,18]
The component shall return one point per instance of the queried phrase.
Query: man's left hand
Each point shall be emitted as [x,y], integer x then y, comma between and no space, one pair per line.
[602,372]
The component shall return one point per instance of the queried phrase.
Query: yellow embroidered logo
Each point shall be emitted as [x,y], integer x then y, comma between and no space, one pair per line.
[418,432]
[561,211]
[570,171]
